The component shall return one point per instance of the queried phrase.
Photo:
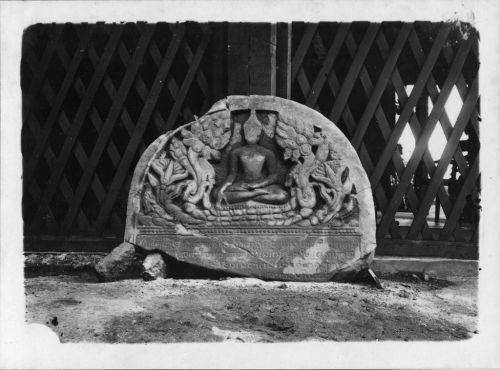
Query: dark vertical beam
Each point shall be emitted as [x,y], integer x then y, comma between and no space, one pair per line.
[218,49]
[283,60]
[238,82]
[272,56]
[252,58]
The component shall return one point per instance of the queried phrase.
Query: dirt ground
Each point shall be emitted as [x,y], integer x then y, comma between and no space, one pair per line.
[78,308]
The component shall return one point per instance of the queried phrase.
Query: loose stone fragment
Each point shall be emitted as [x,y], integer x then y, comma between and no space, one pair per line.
[121,263]
[154,267]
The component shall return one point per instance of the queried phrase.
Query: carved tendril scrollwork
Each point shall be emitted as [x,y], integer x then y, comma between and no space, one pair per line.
[298,139]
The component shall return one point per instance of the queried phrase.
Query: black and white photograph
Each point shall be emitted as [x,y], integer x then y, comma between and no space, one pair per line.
[240,175]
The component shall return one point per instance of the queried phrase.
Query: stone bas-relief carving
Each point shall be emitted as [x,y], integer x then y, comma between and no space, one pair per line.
[258,186]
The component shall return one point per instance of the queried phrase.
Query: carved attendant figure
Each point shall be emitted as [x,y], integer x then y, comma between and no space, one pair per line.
[247,167]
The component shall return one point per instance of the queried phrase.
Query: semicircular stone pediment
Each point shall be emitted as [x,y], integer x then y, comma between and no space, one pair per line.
[259,186]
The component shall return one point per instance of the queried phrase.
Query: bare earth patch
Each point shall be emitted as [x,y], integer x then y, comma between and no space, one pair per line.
[79,309]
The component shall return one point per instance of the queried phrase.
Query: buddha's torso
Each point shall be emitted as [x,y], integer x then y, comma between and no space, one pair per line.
[252,163]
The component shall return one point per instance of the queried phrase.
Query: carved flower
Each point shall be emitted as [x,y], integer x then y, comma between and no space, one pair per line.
[296,153]
[305,149]
[206,137]
[300,139]
[198,146]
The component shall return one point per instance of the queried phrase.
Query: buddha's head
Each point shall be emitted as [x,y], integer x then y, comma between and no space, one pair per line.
[252,129]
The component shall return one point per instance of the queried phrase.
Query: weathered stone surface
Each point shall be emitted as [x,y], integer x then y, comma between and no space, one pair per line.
[121,263]
[259,186]
[154,267]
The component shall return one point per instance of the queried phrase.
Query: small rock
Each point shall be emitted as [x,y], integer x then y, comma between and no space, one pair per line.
[426,277]
[154,267]
[282,286]
[120,263]
[208,316]
[345,304]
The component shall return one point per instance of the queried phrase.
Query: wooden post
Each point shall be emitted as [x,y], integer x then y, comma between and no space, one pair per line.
[283,60]
[256,51]
[218,50]
[238,82]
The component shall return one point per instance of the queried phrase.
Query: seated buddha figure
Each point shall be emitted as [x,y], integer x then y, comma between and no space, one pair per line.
[252,171]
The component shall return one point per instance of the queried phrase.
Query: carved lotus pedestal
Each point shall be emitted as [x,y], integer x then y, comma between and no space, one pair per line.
[259,186]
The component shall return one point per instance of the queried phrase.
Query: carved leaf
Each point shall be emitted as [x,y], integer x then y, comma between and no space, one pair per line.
[153,180]
[167,176]
[177,149]
[285,131]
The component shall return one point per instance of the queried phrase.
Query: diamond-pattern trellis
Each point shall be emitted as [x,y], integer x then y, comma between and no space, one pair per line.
[361,69]
[93,99]
[95,95]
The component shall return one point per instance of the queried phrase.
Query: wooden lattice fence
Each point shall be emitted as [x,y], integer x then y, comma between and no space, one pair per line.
[352,74]
[95,95]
